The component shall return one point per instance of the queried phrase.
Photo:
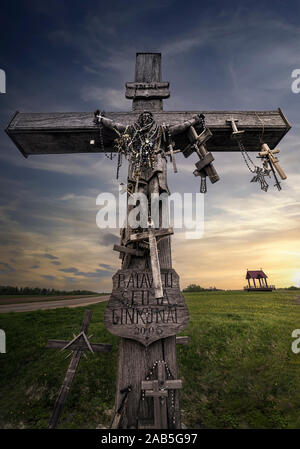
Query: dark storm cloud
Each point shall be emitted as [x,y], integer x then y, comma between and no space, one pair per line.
[56,263]
[34,267]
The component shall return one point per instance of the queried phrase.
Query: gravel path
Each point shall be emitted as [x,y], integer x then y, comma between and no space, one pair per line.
[43,305]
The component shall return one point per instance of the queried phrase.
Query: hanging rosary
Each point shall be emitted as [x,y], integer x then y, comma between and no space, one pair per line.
[259,172]
[140,144]
[151,376]
[97,120]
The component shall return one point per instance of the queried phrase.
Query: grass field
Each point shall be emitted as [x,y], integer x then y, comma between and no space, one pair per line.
[238,370]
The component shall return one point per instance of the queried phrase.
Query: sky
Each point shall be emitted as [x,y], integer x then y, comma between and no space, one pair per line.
[68,55]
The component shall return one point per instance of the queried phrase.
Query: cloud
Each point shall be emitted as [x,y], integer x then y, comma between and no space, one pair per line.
[108,238]
[92,274]
[70,280]
[48,277]
[223,58]
[34,267]
[112,98]
[6,268]
[105,266]
[69,270]
[49,256]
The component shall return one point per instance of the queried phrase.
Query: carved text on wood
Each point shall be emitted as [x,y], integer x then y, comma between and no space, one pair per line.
[134,312]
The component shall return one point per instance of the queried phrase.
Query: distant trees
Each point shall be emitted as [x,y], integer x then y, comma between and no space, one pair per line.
[293,288]
[9,290]
[196,288]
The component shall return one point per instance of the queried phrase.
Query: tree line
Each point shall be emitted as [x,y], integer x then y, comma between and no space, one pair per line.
[196,288]
[9,290]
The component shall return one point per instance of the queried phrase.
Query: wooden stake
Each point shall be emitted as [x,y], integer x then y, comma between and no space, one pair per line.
[79,344]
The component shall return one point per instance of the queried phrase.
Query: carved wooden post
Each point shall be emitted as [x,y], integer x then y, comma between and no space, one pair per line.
[149,323]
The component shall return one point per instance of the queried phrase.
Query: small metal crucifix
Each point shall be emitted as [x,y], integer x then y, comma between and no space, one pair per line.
[78,345]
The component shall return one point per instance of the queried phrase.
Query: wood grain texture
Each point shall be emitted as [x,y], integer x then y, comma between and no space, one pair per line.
[134,312]
[66,385]
[57,133]
[97,347]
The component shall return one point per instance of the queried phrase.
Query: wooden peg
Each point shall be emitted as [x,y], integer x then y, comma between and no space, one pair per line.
[235,132]
[171,151]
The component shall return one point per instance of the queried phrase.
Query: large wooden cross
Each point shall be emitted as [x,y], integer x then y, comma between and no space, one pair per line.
[143,345]
[77,345]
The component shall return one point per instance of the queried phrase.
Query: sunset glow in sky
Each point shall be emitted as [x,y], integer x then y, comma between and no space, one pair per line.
[76,56]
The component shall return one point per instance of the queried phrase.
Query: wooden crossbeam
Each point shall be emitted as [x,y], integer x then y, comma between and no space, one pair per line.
[182,340]
[158,389]
[97,347]
[57,133]
[145,235]
[126,250]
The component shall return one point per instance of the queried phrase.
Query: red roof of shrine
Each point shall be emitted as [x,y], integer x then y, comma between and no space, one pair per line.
[255,274]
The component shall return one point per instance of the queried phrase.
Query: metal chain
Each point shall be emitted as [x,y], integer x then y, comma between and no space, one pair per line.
[246,156]
[260,172]
[98,120]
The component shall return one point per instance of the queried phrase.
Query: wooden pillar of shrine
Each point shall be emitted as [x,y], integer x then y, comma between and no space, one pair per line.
[266,282]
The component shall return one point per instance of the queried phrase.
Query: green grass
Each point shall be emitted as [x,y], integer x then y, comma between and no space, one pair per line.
[238,370]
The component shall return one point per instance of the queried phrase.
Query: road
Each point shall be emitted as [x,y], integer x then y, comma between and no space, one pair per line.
[43,305]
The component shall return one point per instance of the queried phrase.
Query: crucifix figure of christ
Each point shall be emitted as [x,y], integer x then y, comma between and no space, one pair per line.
[146,308]
[77,346]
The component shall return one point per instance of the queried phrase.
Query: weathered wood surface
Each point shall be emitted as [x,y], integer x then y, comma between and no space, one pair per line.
[135,372]
[133,312]
[134,358]
[148,70]
[64,390]
[182,340]
[145,235]
[56,133]
[147,90]
[127,250]
[78,347]
[97,347]
[155,265]
[156,389]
